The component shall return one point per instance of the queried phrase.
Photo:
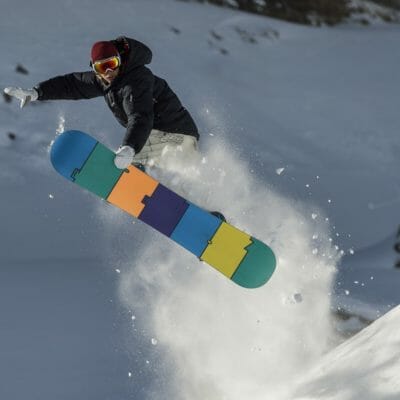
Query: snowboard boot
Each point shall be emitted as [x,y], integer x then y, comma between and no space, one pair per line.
[140,166]
[218,215]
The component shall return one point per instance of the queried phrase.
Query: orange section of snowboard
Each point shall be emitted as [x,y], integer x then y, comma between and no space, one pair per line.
[130,190]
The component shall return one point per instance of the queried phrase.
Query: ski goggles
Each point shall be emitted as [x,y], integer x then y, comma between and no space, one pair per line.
[101,66]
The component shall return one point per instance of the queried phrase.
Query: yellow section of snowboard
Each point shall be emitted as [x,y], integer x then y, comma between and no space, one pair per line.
[226,249]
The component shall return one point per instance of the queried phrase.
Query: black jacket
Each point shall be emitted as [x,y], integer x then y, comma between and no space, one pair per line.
[139,100]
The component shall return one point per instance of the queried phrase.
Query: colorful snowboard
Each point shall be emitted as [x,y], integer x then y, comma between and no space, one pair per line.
[239,256]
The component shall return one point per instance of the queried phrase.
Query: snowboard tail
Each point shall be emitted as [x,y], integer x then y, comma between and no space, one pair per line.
[240,257]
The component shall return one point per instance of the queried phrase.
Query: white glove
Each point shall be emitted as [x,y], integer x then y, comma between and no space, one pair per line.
[124,157]
[24,95]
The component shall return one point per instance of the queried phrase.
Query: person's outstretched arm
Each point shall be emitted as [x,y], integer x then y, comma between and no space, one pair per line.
[75,86]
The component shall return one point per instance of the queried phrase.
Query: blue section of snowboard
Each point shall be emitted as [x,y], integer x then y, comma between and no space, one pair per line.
[70,152]
[195,229]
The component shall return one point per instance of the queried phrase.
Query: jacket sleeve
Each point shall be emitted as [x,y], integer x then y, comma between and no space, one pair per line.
[75,86]
[138,106]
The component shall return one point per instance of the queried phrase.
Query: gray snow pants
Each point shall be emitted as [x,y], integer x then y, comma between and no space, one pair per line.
[161,146]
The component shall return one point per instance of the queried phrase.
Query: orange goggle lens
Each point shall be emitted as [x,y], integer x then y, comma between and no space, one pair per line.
[101,67]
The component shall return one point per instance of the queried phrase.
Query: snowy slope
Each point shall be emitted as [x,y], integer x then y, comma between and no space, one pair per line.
[365,367]
[317,105]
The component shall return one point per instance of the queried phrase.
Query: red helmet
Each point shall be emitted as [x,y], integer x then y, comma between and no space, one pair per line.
[103,50]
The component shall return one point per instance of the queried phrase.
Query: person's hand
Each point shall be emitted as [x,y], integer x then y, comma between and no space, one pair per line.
[24,95]
[124,157]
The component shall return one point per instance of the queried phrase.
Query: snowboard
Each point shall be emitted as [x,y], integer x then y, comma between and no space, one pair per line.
[240,257]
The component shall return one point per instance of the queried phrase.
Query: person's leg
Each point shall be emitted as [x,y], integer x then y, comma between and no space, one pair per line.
[169,153]
[163,146]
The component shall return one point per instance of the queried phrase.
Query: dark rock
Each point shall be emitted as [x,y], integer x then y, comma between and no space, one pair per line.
[21,69]
[175,30]
[215,35]
[7,98]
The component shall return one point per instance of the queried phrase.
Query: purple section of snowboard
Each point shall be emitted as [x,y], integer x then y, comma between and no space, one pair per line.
[163,210]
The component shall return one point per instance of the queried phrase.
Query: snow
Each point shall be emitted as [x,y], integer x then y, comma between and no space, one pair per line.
[364,367]
[299,146]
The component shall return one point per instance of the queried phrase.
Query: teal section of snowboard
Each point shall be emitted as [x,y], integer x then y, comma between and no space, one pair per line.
[99,174]
[257,266]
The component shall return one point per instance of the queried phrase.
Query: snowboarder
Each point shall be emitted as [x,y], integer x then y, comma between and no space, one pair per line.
[142,102]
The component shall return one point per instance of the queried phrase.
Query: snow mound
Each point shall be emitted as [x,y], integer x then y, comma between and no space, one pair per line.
[364,367]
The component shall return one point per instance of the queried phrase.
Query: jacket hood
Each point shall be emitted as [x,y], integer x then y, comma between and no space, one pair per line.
[139,54]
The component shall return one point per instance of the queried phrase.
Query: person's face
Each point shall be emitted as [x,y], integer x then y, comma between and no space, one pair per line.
[110,75]
[108,69]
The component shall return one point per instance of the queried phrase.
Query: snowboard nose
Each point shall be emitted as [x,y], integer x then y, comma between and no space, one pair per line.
[70,151]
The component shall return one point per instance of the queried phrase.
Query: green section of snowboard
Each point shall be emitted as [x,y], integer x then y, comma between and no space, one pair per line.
[99,174]
[257,267]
